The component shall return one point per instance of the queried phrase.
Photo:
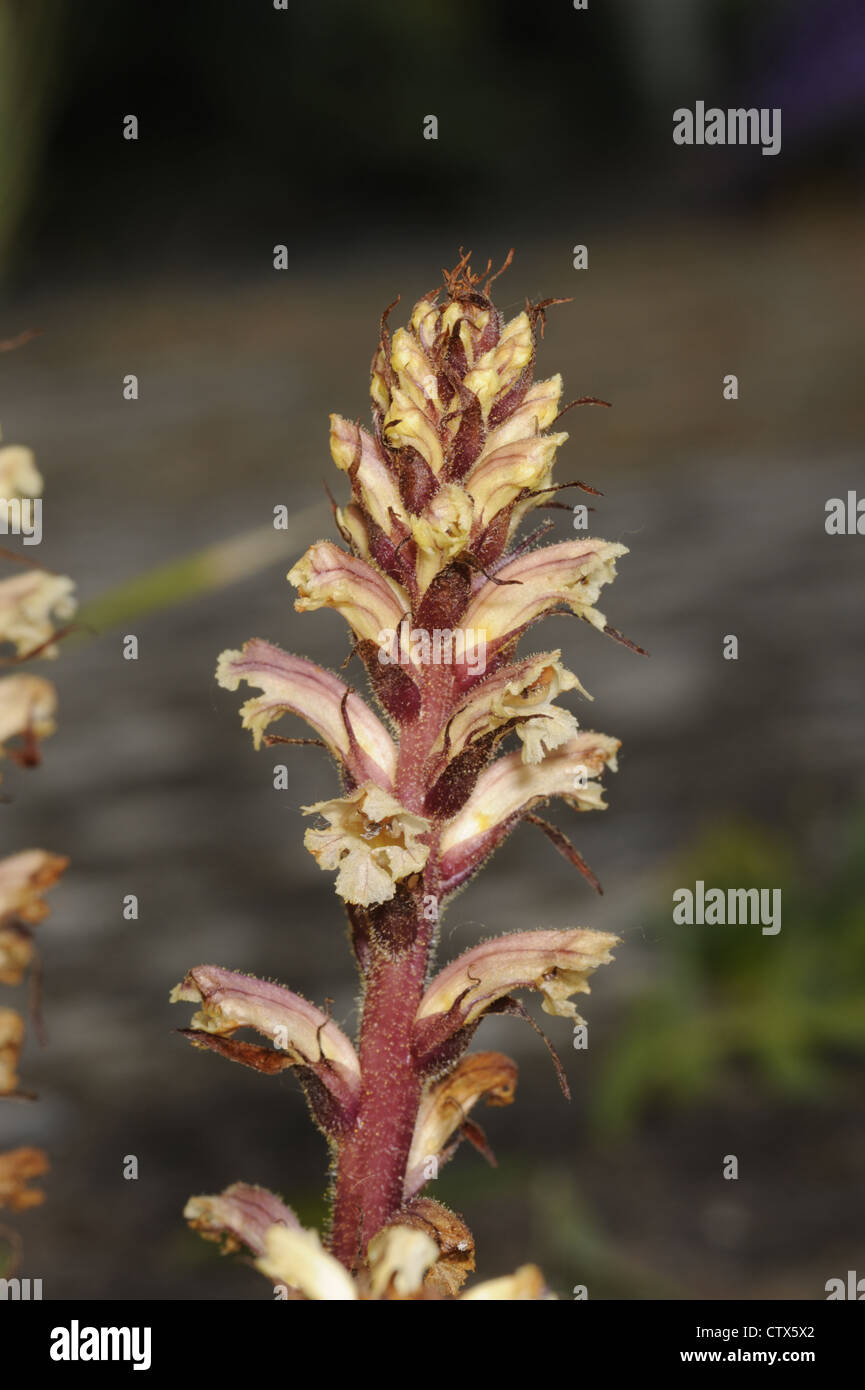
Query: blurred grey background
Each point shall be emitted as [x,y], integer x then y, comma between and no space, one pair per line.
[260,127]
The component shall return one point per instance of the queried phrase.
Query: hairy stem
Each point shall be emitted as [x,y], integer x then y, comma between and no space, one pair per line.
[373,1158]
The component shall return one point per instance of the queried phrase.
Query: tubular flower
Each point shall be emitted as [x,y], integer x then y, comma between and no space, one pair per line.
[303,1036]
[509,788]
[441,532]
[356,452]
[239,1217]
[31,605]
[437,590]
[328,578]
[292,685]
[27,708]
[557,963]
[572,574]
[297,1259]
[504,474]
[19,476]
[445,1107]
[371,841]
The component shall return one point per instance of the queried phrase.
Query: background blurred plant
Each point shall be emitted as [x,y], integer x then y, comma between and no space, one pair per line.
[33,603]
[788,1007]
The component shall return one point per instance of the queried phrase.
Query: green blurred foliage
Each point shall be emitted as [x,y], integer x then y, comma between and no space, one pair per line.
[579,1253]
[789,1007]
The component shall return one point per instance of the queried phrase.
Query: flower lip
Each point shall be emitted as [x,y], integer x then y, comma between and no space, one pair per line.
[371,840]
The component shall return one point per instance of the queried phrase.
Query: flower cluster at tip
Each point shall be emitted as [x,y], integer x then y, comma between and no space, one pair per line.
[460,454]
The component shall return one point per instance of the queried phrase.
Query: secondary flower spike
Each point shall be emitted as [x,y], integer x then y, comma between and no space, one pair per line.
[471,737]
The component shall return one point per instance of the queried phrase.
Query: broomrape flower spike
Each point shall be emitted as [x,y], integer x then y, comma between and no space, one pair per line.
[459,454]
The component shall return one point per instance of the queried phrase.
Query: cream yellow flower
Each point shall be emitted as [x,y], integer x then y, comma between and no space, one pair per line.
[371,840]
[536,412]
[522,696]
[302,1033]
[527,1284]
[407,424]
[27,707]
[571,573]
[556,963]
[298,1259]
[32,603]
[441,532]
[356,452]
[498,370]
[500,476]
[293,685]
[399,1257]
[325,577]
[19,476]
[510,786]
